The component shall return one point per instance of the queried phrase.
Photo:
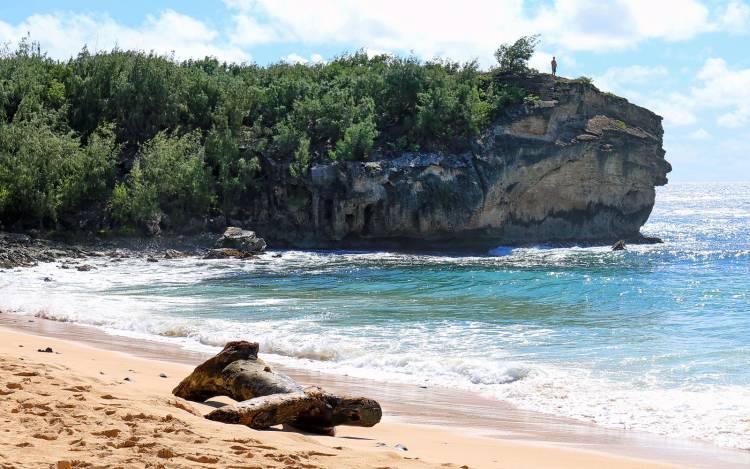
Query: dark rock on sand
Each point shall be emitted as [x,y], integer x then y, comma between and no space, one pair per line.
[45,350]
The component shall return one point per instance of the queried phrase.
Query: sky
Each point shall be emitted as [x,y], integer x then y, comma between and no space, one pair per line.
[686,60]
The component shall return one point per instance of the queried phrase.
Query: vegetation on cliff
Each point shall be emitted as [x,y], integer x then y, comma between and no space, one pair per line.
[127,135]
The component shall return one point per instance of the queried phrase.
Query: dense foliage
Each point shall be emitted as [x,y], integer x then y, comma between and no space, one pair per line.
[137,135]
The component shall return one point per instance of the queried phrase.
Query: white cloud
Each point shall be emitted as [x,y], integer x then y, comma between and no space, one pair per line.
[677,109]
[592,25]
[716,88]
[616,79]
[295,58]
[700,134]
[724,89]
[735,18]
[459,30]
[470,28]
[62,35]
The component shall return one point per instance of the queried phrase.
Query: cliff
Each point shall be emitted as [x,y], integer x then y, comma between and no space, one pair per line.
[576,165]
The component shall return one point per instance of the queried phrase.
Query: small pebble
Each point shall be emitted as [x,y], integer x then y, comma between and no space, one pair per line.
[162,375]
[46,350]
[401,447]
[127,379]
[380,444]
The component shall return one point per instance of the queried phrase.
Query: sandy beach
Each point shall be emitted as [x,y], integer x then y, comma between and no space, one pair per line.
[92,407]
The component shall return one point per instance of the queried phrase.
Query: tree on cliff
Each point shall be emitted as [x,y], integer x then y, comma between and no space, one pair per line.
[514,58]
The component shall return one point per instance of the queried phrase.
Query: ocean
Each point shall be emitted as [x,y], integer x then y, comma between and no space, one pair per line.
[655,338]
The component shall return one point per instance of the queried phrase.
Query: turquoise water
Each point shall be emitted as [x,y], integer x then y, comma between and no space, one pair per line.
[656,338]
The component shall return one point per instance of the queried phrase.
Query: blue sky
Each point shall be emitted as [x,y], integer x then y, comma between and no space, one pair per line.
[687,60]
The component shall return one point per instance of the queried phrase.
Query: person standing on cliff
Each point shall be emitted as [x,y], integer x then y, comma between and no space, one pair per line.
[554,66]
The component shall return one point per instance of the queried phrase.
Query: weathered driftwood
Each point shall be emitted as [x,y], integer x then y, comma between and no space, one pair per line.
[270,398]
[236,372]
[312,410]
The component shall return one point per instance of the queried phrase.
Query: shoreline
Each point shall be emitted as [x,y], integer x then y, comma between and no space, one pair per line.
[464,414]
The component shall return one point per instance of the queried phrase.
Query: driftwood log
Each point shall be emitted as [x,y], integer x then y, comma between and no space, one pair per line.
[270,398]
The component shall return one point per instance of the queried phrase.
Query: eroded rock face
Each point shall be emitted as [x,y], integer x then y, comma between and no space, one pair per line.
[578,165]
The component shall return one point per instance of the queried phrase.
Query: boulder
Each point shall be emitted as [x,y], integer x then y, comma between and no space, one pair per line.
[152,225]
[619,246]
[242,240]
[174,254]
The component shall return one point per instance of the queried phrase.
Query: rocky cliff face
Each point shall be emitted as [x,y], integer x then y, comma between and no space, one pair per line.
[577,165]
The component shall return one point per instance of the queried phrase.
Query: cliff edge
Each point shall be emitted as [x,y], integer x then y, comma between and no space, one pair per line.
[576,164]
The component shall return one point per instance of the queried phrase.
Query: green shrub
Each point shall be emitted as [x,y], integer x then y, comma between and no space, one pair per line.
[301,162]
[168,177]
[45,171]
[514,58]
[356,143]
[531,99]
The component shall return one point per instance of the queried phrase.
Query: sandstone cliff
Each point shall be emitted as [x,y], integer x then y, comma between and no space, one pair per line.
[576,165]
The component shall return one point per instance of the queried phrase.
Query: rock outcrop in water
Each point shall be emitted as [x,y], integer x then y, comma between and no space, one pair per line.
[575,165]
[237,243]
[242,240]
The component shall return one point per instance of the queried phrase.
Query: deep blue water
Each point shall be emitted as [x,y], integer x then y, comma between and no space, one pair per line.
[655,338]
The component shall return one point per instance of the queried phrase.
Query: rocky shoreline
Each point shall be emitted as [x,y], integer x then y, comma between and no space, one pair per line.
[24,250]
